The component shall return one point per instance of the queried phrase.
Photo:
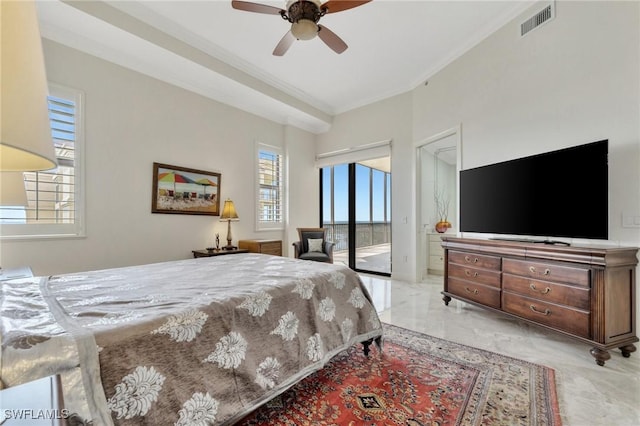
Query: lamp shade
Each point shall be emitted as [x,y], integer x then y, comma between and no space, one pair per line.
[12,191]
[26,143]
[229,211]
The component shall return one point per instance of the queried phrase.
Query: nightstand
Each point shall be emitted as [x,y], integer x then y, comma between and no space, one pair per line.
[210,253]
[15,273]
[36,403]
[273,247]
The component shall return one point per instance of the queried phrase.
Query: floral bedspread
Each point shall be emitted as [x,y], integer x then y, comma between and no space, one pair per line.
[198,341]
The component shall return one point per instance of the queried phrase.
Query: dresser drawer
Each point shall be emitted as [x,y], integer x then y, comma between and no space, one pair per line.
[547,271]
[475,275]
[489,296]
[435,247]
[570,320]
[436,262]
[572,296]
[273,247]
[475,260]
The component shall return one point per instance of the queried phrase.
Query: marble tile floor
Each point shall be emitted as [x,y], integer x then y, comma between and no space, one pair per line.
[588,395]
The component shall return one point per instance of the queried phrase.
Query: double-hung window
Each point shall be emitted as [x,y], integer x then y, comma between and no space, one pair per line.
[55,205]
[270,187]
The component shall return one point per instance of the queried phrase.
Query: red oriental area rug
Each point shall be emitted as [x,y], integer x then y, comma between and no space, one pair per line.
[417,380]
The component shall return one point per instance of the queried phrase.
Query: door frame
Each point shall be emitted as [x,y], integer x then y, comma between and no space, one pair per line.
[421,242]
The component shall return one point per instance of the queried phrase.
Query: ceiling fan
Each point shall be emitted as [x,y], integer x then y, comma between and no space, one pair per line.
[304,16]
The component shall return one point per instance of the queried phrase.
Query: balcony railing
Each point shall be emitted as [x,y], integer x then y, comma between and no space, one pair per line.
[367,234]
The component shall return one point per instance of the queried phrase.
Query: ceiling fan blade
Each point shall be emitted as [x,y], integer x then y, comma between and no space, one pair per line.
[331,39]
[256,7]
[284,45]
[333,6]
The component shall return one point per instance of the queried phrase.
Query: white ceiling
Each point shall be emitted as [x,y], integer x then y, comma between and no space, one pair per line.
[225,54]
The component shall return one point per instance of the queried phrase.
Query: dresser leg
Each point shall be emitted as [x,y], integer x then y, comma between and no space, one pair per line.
[627,349]
[446,300]
[600,355]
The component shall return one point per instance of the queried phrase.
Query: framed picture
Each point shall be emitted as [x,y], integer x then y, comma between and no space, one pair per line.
[185,191]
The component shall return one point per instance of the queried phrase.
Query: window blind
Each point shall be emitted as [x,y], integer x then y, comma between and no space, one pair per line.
[270,183]
[51,193]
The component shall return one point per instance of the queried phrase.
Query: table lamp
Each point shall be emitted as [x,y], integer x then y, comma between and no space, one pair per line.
[12,191]
[26,143]
[230,215]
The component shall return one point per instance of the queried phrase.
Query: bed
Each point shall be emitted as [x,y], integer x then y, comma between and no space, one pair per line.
[206,339]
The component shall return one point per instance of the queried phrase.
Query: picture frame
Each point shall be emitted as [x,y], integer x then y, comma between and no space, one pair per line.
[182,190]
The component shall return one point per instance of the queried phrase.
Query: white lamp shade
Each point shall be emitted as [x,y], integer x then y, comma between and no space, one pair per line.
[26,143]
[12,190]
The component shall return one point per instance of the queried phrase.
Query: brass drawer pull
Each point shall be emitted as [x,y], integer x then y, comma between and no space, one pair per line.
[545,291]
[468,273]
[468,259]
[532,269]
[475,290]
[545,313]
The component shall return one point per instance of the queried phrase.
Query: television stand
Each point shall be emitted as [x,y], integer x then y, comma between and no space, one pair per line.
[583,292]
[532,241]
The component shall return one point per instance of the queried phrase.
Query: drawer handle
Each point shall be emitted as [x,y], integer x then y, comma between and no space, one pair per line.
[468,273]
[545,291]
[475,290]
[468,259]
[532,269]
[546,312]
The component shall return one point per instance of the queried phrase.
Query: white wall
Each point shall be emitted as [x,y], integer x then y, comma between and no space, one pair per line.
[571,81]
[132,121]
[304,201]
[386,120]
[574,80]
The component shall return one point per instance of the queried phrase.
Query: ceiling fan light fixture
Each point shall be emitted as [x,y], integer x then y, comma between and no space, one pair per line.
[304,29]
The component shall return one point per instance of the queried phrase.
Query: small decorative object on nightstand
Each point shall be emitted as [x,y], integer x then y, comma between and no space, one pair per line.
[217,247]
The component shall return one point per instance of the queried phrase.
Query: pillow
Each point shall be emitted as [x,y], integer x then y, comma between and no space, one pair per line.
[315,244]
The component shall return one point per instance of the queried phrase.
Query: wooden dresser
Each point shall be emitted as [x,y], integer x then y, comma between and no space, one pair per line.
[273,247]
[585,292]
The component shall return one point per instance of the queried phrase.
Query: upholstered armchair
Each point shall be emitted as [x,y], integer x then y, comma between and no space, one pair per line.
[313,245]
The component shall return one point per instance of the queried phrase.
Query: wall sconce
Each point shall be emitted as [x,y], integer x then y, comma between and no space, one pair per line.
[26,143]
[230,215]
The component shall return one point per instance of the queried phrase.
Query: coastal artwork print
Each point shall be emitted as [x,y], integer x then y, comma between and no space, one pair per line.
[185,191]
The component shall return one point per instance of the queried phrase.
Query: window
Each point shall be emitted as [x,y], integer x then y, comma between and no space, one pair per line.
[54,197]
[270,214]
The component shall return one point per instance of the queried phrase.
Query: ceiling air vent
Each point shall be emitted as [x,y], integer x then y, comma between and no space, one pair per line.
[538,19]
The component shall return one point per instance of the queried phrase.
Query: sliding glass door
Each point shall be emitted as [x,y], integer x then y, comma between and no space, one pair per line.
[356,210]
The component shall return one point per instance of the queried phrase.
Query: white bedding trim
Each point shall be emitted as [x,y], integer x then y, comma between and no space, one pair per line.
[88,356]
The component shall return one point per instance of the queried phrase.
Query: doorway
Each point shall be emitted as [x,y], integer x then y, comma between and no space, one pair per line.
[355,207]
[439,161]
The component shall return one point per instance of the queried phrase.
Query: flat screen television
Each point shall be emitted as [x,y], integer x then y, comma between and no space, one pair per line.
[561,193]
